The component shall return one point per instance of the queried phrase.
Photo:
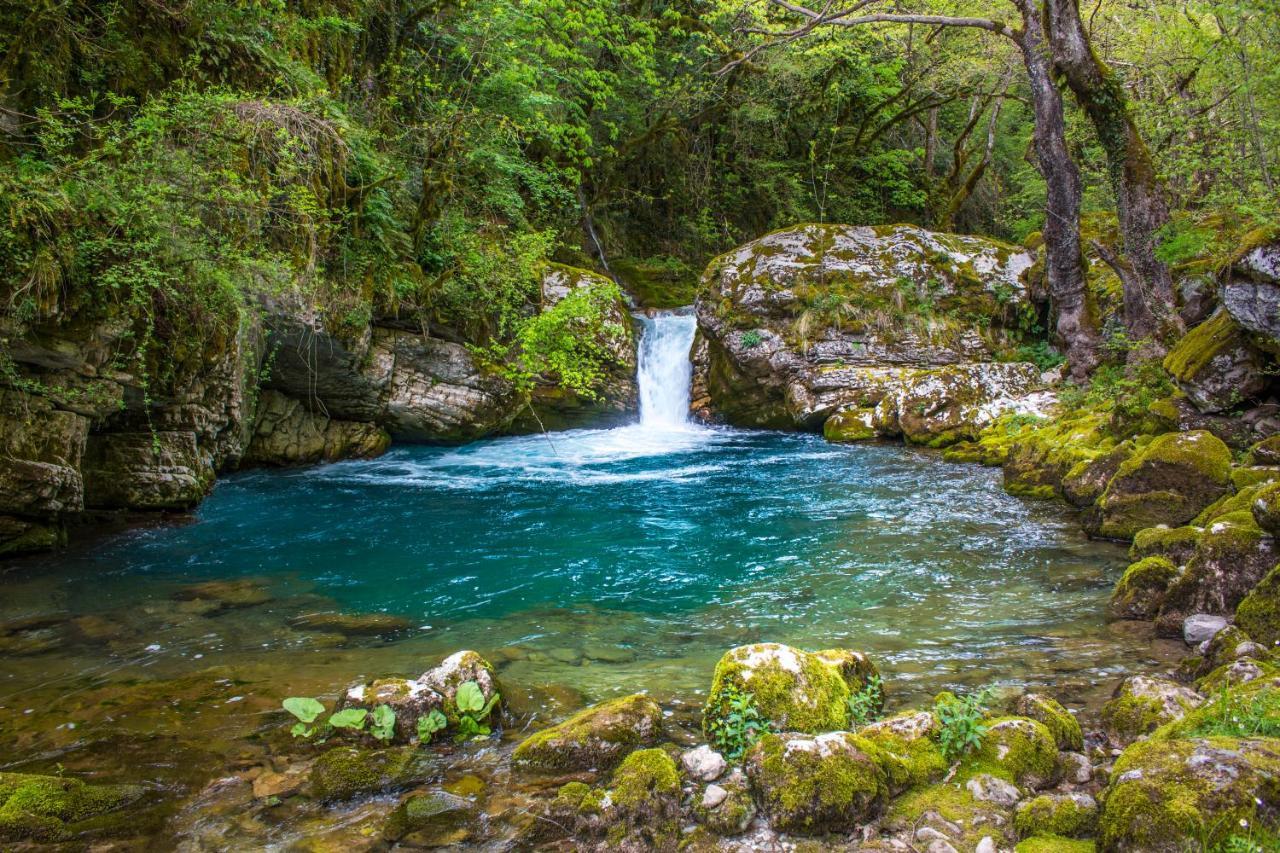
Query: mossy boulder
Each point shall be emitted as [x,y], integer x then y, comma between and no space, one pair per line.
[1169,481]
[1258,614]
[1175,544]
[1265,452]
[346,772]
[953,812]
[812,785]
[907,749]
[1215,365]
[1018,749]
[1073,815]
[1141,589]
[597,738]
[1266,508]
[1042,453]
[796,690]
[1251,706]
[1232,556]
[1164,792]
[1060,722]
[850,425]
[52,809]
[1141,704]
[644,802]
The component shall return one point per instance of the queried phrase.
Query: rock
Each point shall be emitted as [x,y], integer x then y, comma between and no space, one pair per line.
[351,624]
[1258,614]
[850,425]
[1073,815]
[271,784]
[1167,482]
[713,796]
[811,320]
[951,810]
[1076,767]
[1060,722]
[226,594]
[1175,544]
[1259,262]
[990,789]
[346,772]
[1266,508]
[1140,591]
[144,470]
[1163,792]
[1265,452]
[1255,307]
[986,845]
[1141,704]
[1215,365]
[703,763]
[1200,627]
[410,700]
[40,454]
[816,784]
[596,738]
[644,802]
[1232,556]
[1021,747]
[456,670]
[422,818]
[907,749]
[54,809]
[797,690]
[287,433]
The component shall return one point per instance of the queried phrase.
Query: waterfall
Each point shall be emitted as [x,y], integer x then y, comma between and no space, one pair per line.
[665,372]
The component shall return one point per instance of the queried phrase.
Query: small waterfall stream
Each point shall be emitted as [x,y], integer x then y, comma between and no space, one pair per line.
[665,372]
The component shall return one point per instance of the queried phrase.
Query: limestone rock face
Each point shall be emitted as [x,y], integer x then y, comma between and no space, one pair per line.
[287,433]
[1255,306]
[1167,482]
[43,446]
[1163,792]
[142,470]
[812,785]
[810,321]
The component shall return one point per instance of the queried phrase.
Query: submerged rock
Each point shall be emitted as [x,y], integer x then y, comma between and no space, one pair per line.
[346,772]
[811,785]
[53,809]
[596,738]
[425,818]
[351,624]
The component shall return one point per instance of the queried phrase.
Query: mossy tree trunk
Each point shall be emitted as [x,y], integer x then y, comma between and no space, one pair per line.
[1149,304]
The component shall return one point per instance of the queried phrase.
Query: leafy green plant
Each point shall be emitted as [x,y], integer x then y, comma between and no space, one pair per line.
[384,723]
[865,703]
[740,725]
[961,719]
[431,723]
[1233,715]
[307,711]
[473,711]
[349,718]
[752,339]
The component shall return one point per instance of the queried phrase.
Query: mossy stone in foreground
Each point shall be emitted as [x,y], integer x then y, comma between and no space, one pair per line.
[1169,482]
[1259,613]
[796,690]
[347,772]
[1017,749]
[1060,722]
[644,798]
[1176,544]
[1141,704]
[56,809]
[1140,590]
[596,738]
[1233,555]
[812,785]
[956,806]
[1164,792]
[1072,815]
[1266,508]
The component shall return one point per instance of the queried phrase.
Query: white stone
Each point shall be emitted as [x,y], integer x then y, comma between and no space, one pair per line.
[703,763]
[1199,627]
[986,845]
[991,789]
[713,796]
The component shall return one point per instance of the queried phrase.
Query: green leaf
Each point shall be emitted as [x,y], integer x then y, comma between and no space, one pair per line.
[351,718]
[304,708]
[430,724]
[470,697]
[384,717]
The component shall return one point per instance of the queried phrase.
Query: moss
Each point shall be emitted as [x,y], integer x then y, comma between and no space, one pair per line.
[952,802]
[346,772]
[1140,590]
[1258,615]
[595,738]
[1060,722]
[1039,454]
[907,762]
[660,282]
[1243,476]
[796,690]
[1241,501]
[849,425]
[1054,844]
[1266,508]
[1063,815]
[1130,716]
[1017,749]
[826,784]
[644,774]
[55,809]
[1265,452]
[1175,543]
[1197,348]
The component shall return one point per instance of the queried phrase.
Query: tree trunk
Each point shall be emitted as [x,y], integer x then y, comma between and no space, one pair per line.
[1064,260]
[1149,306]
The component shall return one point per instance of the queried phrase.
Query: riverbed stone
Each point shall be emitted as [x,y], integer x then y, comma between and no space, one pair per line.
[457,669]
[730,810]
[1169,482]
[703,763]
[1072,815]
[597,738]
[794,689]
[422,819]
[53,809]
[1021,749]
[351,624]
[346,772]
[1175,544]
[1142,703]
[992,789]
[1163,792]
[814,784]
[409,699]
[644,801]
[1266,508]
[1060,722]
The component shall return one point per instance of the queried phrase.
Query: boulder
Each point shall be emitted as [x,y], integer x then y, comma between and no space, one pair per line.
[1175,544]
[703,763]
[411,700]
[1141,704]
[596,738]
[1163,792]
[643,799]
[145,470]
[1020,749]
[346,772]
[456,670]
[815,784]
[57,809]
[907,749]
[1266,508]
[947,812]
[1141,589]
[795,690]
[856,424]
[1060,722]
[1168,482]
[1073,815]
[287,433]
[1201,627]
[1215,365]
[1258,613]
[1232,556]
[1259,261]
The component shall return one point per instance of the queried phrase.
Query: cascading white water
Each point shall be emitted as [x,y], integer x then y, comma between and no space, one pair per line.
[664,371]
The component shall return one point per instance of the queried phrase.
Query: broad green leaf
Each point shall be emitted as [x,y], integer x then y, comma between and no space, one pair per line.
[384,717]
[351,718]
[304,708]
[430,724]
[470,698]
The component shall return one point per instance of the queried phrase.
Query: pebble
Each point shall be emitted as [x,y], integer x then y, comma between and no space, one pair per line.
[986,845]
[703,763]
[713,796]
